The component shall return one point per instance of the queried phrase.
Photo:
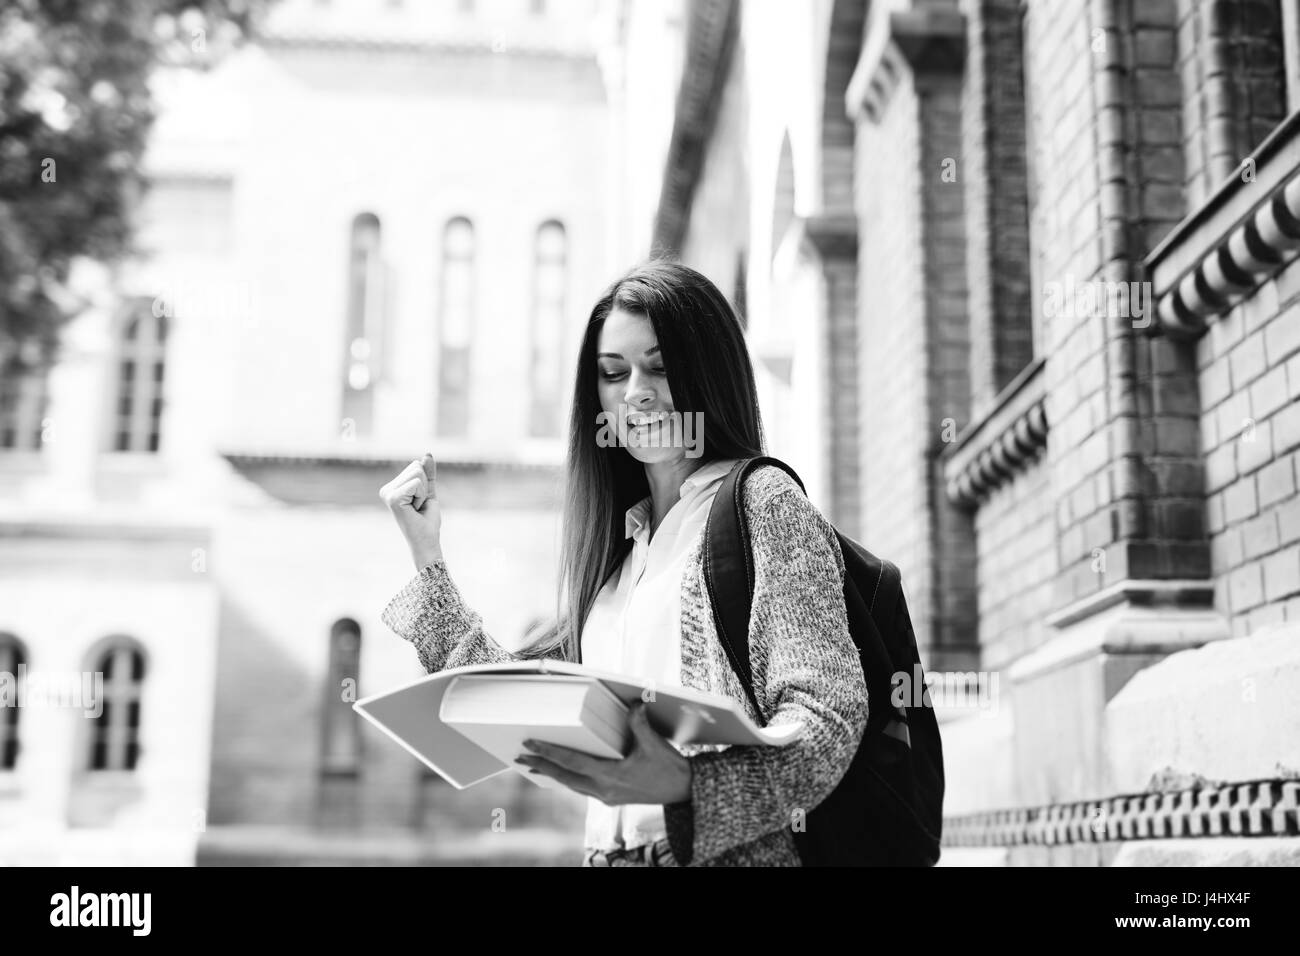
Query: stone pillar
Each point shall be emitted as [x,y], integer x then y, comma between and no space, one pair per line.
[80,399]
[913,338]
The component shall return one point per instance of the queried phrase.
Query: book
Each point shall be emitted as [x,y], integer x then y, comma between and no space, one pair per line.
[412,715]
[500,711]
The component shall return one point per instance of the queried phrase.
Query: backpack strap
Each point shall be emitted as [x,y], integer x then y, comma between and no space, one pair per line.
[729,566]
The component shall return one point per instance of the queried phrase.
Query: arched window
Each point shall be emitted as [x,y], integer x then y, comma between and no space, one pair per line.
[24,401]
[141,360]
[341,731]
[12,658]
[115,733]
[550,271]
[455,327]
[365,322]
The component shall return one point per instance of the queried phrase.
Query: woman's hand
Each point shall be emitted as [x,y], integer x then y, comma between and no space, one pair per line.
[412,497]
[652,771]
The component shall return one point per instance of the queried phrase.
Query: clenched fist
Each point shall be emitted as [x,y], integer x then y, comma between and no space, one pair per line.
[412,497]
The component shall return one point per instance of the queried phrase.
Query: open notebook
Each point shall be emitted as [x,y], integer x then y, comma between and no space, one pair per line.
[467,730]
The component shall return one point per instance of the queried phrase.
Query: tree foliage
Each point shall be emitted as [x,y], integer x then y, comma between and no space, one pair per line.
[75,114]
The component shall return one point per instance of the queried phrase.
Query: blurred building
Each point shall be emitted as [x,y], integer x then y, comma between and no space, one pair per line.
[1032,269]
[376,232]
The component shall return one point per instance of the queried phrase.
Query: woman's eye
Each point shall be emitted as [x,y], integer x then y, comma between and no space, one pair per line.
[615,376]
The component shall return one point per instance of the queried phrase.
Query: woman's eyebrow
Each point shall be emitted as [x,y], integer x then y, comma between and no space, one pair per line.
[651,351]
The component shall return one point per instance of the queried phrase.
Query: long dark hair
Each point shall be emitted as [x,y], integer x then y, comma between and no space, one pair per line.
[709,370]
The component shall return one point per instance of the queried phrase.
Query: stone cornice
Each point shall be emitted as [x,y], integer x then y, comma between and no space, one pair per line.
[352,478]
[424,46]
[1225,250]
[378,459]
[932,41]
[928,42]
[989,452]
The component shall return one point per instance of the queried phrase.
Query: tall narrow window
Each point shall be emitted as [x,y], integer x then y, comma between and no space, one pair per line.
[456,326]
[1291,54]
[341,732]
[141,361]
[11,659]
[550,258]
[783,202]
[364,324]
[115,733]
[23,405]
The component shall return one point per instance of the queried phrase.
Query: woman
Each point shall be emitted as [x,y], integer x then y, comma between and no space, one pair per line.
[662,341]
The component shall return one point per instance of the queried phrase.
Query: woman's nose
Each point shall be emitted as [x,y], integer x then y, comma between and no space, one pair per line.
[638,391]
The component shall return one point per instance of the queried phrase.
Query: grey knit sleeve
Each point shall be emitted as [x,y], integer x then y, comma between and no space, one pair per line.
[805,668]
[431,614]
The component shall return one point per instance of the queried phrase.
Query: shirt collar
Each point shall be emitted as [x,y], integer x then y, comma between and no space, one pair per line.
[639,514]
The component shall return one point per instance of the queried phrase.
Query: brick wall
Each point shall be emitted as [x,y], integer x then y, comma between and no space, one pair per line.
[913,344]
[843,46]
[1058,72]
[1017,563]
[891,358]
[1249,365]
[1106,108]
[1233,86]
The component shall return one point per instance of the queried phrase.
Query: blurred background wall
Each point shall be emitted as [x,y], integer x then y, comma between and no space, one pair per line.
[372,231]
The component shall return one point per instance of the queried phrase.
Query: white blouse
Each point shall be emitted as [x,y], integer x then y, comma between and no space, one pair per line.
[634,628]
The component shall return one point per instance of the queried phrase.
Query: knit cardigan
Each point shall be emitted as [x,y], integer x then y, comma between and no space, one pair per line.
[745,801]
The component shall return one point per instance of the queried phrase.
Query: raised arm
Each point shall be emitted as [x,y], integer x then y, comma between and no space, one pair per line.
[806,668]
[429,611]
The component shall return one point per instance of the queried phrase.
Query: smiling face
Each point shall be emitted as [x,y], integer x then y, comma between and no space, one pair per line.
[631,380]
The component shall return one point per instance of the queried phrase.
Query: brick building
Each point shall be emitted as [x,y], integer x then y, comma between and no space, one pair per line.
[1034,266]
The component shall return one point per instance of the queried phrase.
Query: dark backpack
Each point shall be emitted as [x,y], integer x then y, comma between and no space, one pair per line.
[887,809]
